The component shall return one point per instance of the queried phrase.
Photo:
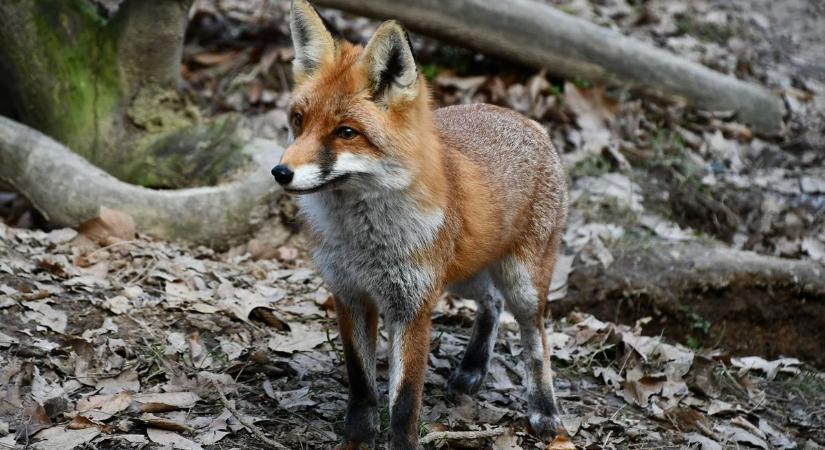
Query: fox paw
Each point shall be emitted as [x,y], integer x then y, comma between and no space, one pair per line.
[466,381]
[544,426]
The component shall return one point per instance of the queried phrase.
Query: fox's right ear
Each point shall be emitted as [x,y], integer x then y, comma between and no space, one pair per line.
[312,37]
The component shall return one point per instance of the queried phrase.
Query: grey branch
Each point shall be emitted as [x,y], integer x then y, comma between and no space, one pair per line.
[538,35]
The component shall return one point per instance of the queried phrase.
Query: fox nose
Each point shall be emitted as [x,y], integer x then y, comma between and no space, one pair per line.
[282,174]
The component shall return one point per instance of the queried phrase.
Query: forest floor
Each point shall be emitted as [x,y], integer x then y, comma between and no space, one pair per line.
[139,343]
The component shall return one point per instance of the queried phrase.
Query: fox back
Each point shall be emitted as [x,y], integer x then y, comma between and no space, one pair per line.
[403,202]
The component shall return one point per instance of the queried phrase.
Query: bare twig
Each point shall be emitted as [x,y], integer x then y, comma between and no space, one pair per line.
[459,435]
[249,425]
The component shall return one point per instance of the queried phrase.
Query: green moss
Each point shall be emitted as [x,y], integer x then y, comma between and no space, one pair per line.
[709,32]
[592,166]
[197,155]
[159,110]
[74,51]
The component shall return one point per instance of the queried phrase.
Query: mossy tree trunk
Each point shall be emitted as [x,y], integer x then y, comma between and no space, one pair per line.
[108,88]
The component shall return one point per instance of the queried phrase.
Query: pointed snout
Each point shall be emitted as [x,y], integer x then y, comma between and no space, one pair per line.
[283,175]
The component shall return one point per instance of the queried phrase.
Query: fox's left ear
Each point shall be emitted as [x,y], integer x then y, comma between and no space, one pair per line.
[313,38]
[390,65]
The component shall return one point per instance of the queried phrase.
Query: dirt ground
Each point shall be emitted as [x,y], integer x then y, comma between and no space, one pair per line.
[113,340]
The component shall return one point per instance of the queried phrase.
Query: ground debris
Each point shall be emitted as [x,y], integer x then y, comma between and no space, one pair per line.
[144,368]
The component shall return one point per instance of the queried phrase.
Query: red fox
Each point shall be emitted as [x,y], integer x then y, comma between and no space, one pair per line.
[404,202]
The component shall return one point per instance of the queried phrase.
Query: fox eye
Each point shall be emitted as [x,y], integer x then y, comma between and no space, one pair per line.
[346,133]
[297,120]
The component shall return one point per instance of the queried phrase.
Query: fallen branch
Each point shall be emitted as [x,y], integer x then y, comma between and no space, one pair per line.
[752,303]
[539,35]
[69,190]
[249,425]
[459,435]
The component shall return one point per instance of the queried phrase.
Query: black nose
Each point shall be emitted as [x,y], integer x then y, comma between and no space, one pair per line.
[282,174]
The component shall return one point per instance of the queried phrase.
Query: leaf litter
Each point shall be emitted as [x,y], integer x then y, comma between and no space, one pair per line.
[152,381]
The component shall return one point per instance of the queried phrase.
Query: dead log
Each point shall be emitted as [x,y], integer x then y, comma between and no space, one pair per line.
[69,190]
[750,303]
[538,35]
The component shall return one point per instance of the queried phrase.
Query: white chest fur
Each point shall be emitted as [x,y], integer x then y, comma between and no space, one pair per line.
[366,246]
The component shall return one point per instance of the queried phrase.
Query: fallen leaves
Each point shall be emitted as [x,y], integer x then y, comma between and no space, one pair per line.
[166,401]
[561,442]
[170,438]
[43,314]
[63,438]
[595,112]
[109,227]
[769,368]
[302,338]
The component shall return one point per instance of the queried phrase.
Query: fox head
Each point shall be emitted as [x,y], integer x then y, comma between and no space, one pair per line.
[356,112]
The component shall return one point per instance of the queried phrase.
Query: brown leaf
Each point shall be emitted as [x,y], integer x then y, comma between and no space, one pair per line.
[268,317]
[561,442]
[163,423]
[37,419]
[109,227]
[688,419]
[103,407]
[703,378]
[639,391]
[167,401]
[80,422]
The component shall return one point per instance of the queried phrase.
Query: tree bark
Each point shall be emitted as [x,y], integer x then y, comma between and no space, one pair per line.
[68,190]
[109,89]
[538,35]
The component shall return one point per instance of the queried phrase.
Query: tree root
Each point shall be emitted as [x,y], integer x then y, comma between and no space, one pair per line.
[69,190]
[747,302]
[539,35]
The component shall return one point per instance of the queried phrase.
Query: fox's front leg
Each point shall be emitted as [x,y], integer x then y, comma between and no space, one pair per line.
[409,347]
[358,324]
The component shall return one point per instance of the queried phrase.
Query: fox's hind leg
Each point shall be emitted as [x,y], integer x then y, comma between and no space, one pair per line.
[469,375]
[524,281]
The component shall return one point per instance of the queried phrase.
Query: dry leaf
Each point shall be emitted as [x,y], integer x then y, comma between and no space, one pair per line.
[168,401]
[302,338]
[594,113]
[36,420]
[6,340]
[80,422]
[61,438]
[109,227]
[125,381]
[638,392]
[163,423]
[42,313]
[506,441]
[561,442]
[166,437]
[103,407]
[118,304]
[770,368]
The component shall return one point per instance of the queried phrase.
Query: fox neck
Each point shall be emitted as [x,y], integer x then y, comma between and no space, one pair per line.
[423,154]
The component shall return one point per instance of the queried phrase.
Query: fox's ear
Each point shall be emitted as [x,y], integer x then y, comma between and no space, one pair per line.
[312,37]
[390,65]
